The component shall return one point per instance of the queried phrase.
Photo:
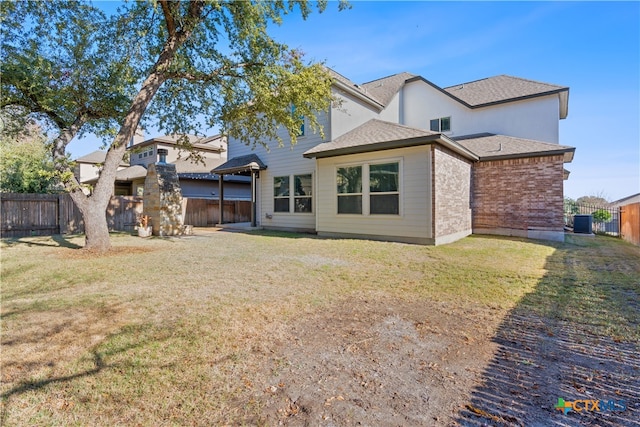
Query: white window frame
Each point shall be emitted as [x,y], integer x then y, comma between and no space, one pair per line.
[383,193]
[440,119]
[288,196]
[366,187]
[292,196]
[361,193]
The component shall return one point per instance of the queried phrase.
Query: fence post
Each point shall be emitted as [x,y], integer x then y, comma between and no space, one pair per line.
[62,226]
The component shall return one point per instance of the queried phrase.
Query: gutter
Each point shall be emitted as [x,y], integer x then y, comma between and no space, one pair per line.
[340,85]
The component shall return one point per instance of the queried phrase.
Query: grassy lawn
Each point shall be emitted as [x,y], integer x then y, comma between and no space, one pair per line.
[167,331]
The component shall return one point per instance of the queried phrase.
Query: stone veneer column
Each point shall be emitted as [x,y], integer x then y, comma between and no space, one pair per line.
[163,199]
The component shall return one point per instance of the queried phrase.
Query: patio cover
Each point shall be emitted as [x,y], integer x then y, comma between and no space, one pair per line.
[249,162]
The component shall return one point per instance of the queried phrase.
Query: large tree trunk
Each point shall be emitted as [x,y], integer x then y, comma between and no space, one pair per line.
[96,229]
[94,207]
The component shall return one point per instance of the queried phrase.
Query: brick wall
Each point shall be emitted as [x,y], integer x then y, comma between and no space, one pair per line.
[519,194]
[451,196]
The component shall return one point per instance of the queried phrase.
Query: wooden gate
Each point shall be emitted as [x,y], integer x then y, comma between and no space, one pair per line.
[630,223]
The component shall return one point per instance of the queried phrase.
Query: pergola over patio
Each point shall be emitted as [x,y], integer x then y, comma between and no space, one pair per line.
[248,165]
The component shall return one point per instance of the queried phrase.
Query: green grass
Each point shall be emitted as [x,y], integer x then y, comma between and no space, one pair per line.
[163,331]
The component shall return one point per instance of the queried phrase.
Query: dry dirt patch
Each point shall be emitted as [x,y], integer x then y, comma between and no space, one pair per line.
[375,362]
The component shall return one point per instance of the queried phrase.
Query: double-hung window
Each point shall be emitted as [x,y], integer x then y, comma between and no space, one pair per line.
[349,180]
[281,194]
[299,200]
[380,197]
[384,191]
[442,124]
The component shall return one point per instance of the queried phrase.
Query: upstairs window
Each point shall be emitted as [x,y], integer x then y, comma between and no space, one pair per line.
[298,117]
[442,124]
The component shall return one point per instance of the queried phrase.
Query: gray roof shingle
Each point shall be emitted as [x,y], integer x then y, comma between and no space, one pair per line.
[500,89]
[370,134]
[489,146]
[384,89]
[377,135]
[131,173]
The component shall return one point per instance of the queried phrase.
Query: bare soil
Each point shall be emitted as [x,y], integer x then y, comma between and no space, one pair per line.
[398,363]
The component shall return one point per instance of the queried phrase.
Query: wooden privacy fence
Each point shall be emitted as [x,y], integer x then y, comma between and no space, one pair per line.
[47,214]
[205,212]
[630,223]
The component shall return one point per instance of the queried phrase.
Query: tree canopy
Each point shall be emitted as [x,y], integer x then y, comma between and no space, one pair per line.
[26,166]
[173,64]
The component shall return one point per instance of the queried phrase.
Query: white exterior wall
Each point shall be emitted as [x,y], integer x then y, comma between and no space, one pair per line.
[283,161]
[536,118]
[87,171]
[391,113]
[414,222]
[348,115]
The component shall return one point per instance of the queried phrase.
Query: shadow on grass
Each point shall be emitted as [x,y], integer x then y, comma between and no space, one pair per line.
[575,337]
[54,241]
[130,338]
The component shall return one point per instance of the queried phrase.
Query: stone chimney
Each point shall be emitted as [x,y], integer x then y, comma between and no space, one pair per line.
[163,199]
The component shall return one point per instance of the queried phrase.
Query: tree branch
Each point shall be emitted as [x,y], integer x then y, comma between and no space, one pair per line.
[168,17]
[205,77]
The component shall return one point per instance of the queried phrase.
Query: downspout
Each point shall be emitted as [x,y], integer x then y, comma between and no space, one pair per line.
[253,198]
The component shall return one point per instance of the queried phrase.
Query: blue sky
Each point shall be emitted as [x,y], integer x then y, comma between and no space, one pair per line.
[592,47]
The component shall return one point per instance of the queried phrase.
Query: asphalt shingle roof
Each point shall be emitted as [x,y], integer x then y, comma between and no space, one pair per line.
[489,146]
[372,132]
[384,89]
[97,156]
[130,173]
[500,89]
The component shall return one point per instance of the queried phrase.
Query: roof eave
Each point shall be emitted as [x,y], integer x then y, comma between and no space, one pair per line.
[389,145]
[525,97]
[358,149]
[563,93]
[351,91]
[566,152]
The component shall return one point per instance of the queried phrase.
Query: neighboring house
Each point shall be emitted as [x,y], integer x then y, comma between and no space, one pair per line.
[196,179]
[87,168]
[405,160]
[635,198]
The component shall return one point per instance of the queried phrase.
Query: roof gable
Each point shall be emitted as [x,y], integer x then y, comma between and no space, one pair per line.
[384,89]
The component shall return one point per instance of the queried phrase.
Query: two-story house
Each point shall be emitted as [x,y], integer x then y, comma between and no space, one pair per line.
[405,160]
